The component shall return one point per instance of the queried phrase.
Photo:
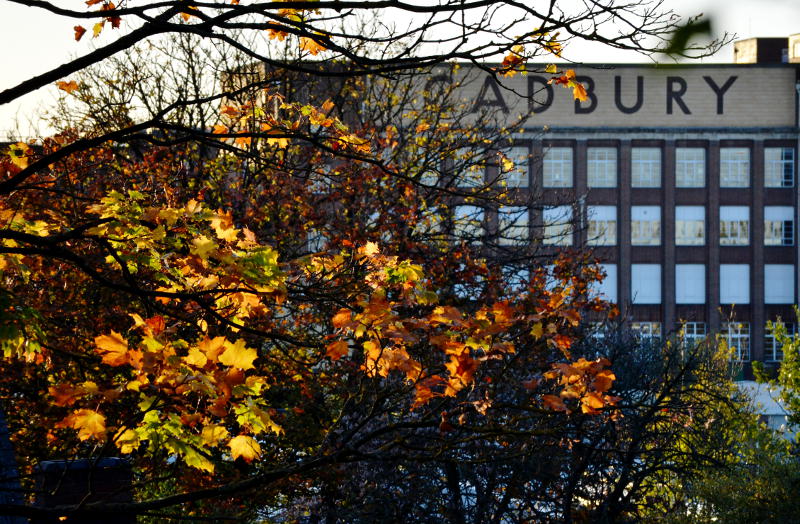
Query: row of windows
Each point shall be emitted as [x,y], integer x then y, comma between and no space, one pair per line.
[602,223]
[690,284]
[646,167]
[690,226]
[735,334]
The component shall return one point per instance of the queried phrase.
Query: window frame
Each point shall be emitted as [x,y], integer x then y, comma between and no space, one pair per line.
[602,172]
[683,167]
[651,176]
[564,176]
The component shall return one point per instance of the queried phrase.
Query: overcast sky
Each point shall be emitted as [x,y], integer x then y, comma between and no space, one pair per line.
[34,41]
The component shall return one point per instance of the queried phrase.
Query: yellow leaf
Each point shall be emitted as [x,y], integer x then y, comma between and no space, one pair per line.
[223,227]
[127,441]
[369,249]
[195,358]
[245,447]
[113,348]
[202,246]
[212,434]
[19,153]
[88,422]
[98,28]
[238,356]
[551,68]
[212,347]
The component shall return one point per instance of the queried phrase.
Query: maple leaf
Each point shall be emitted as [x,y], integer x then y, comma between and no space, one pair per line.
[202,246]
[69,87]
[554,403]
[113,348]
[88,423]
[238,356]
[212,347]
[79,31]
[336,350]
[98,28]
[223,226]
[369,249]
[245,447]
[311,45]
[341,318]
[212,434]
[19,154]
[127,441]
[196,358]
[592,402]
[66,394]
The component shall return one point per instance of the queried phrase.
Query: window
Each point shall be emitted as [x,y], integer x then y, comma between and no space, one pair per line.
[602,225]
[690,284]
[315,241]
[646,283]
[690,167]
[778,284]
[607,289]
[557,226]
[429,178]
[468,223]
[778,167]
[557,167]
[693,333]
[734,225]
[690,225]
[645,225]
[602,167]
[734,284]
[645,167]
[512,225]
[516,175]
[647,330]
[429,222]
[778,226]
[469,165]
[737,336]
[734,167]
[773,349]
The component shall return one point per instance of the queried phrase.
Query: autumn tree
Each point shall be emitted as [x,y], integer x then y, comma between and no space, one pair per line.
[162,301]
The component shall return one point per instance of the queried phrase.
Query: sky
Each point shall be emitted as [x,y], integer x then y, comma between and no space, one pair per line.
[35,41]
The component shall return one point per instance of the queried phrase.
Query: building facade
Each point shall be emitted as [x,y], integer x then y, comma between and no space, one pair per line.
[682,179]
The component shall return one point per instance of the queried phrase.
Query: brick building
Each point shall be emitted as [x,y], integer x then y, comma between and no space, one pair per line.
[683,179]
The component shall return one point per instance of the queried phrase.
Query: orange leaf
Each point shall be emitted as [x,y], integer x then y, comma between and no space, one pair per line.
[579,92]
[156,324]
[88,423]
[311,45]
[592,402]
[66,394]
[341,318]
[336,350]
[79,30]
[113,348]
[554,403]
[69,87]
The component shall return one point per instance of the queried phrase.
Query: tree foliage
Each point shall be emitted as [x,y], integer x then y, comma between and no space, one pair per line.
[250,284]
